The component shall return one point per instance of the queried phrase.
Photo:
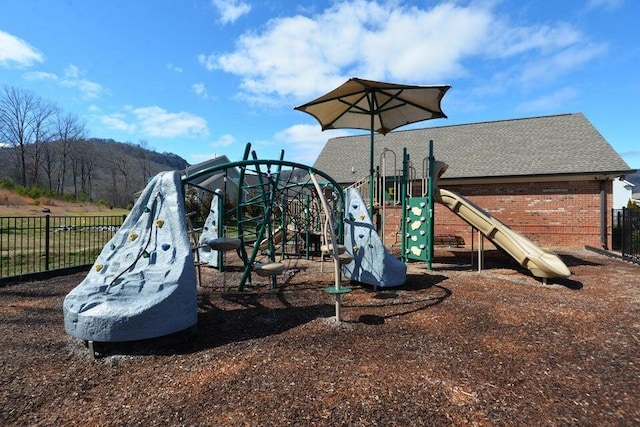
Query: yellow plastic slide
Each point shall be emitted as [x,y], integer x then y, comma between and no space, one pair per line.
[541,262]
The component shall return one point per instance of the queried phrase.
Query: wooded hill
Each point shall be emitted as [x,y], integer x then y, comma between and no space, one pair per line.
[88,169]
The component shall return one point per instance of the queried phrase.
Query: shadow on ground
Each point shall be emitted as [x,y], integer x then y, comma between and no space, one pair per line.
[419,292]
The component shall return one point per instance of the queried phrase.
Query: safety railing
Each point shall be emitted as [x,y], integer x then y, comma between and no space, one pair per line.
[39,244]
[625,234]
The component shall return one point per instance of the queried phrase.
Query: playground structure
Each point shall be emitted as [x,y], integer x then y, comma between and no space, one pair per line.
[278,212]
[144,284]
[417,222]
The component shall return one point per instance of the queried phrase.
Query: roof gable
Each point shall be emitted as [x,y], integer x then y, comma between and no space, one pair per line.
[560,144]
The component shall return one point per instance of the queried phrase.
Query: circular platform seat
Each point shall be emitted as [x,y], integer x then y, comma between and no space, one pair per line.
[329,249]
[224,244]
[345,258]
[270,269]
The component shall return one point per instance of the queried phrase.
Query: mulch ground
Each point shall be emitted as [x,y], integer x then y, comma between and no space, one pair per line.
[451,347]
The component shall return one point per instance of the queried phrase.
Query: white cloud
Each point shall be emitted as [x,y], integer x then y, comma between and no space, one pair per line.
[231,10]
[295,58]
[158,122]
[117,122]
[547,68]
[73,79]
[507,40]
[224,141]
[200,89]
[39,75]
[154,121]
[607,4]
[303,143]
[17,52]
[554,101]
[174,68]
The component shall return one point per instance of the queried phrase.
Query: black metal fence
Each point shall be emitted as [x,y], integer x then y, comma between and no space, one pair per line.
[625,236]
[38,244]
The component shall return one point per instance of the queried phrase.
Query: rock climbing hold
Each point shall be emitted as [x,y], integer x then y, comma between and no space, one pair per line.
[159,223]
[133,236]
[361,217]
[99,267]
[355,249]
[361,235]
[354,206]
[146,209]
[145,254]
[112,246]
[165,246]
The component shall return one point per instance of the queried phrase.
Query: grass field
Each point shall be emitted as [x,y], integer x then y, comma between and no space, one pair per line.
[12,204]
[74,233]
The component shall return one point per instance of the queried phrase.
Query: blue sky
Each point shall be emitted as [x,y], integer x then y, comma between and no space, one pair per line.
[202,77]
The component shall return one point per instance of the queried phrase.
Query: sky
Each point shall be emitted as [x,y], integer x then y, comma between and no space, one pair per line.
[201,78]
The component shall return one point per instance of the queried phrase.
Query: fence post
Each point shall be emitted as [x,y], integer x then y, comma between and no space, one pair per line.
[46,242]
[623,229]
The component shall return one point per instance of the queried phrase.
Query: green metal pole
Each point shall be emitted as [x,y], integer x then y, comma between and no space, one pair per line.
[403,197]
[430,184]
[221,221]
[307,225]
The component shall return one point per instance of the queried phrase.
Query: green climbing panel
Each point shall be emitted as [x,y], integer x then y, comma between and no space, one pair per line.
[417,217]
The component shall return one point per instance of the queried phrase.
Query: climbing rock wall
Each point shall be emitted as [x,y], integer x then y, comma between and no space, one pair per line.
[210,230]
[372,263]
[142,284]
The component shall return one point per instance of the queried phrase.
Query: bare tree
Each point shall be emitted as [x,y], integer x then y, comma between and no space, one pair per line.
[42,133]
[18,113]
[83,161]
[48,161]
[87,168]
[144,162]
[69,129]
[121,162]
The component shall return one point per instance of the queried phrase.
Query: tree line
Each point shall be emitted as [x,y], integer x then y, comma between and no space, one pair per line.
[44,147]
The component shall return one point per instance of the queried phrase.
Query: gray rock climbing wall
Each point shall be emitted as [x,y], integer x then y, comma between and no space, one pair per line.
[372,263]
[142,284]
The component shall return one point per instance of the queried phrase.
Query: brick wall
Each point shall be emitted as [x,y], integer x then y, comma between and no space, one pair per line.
[552,214]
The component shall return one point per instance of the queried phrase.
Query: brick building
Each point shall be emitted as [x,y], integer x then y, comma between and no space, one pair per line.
[549,178]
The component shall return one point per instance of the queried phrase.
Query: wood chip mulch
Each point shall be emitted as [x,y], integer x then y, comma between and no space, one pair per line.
[453,346]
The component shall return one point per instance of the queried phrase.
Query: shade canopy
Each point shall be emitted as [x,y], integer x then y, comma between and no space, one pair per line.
[376,106]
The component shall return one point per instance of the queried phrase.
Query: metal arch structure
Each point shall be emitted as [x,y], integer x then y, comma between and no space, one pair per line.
[267,172]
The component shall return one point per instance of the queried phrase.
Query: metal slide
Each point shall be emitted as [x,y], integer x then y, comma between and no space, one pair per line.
[542,263]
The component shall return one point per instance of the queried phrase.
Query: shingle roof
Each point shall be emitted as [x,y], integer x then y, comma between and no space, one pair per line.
[549,145]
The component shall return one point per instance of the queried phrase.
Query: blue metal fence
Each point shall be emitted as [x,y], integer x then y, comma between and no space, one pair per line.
[38,244]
